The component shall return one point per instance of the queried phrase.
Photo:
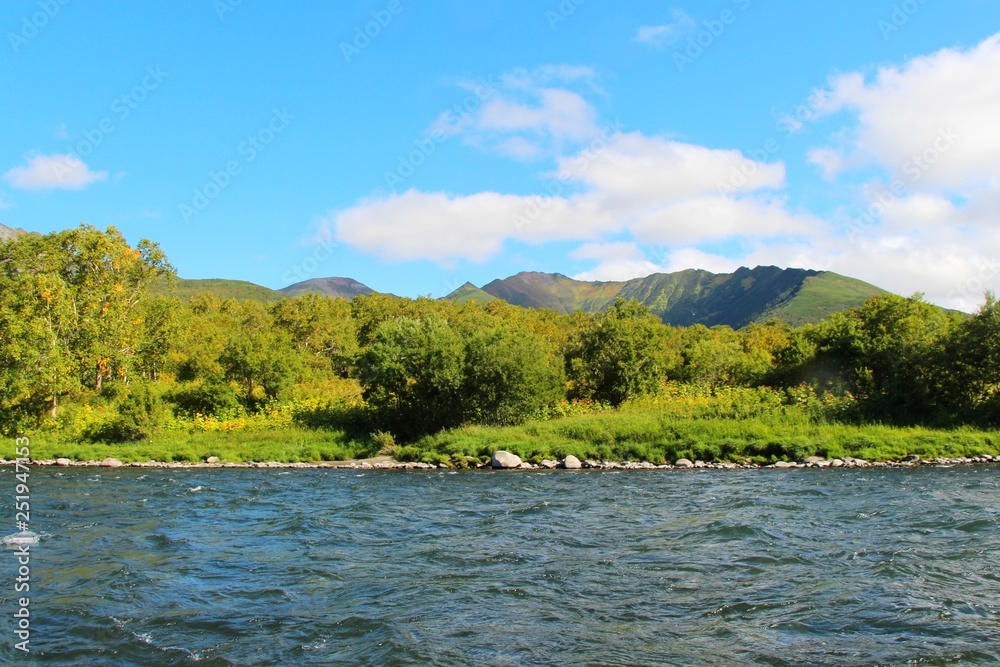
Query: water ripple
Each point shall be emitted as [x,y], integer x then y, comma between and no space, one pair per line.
[320,567]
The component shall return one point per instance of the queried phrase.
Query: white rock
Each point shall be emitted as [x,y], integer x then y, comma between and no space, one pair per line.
[504,459]
[571,463]
[63,462]
[111,463]
[684,463]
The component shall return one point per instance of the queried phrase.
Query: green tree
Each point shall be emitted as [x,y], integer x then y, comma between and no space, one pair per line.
[70,306]
[620,354]
[412,375]
[510,374]
[889,353]
[972,370]
[259,357]
[322,329]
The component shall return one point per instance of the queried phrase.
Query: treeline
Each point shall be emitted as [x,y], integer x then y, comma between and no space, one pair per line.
[81,325]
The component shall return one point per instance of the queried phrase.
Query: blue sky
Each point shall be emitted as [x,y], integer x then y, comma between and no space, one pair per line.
[416,145]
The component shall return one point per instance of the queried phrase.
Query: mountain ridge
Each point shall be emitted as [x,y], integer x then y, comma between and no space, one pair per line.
[697,296]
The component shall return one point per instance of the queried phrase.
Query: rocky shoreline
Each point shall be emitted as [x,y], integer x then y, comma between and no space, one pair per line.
[503,460]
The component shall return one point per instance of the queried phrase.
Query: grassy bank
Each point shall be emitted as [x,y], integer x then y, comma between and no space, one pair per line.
[285,445]
[631,436]
[637,433]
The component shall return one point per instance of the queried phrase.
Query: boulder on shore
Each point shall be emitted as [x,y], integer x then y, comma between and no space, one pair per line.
[815,459]
[111,463]
[212,459]
[684,463]
[571,463]
[63,462]
[503,459]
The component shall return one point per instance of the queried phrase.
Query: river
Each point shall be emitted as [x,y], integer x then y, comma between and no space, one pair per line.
[330,567]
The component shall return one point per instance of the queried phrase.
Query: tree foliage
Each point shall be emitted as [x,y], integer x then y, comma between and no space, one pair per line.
[81,330]
[620,354]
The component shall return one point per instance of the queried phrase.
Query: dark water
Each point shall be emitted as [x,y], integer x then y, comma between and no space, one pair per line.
[308,567]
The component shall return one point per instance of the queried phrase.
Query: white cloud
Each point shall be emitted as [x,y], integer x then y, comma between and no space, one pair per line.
[53,172]
[667,33]
[638,170]
[930,125]
[938,110]
[618,261]
[444,228]
[716,217]
[561,114]
[829,160]
[659,191]
[527,113]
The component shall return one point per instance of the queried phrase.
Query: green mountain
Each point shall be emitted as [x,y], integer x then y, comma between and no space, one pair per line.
[332,287]
[239,290]
[693,296]
[469,292]
[797,296]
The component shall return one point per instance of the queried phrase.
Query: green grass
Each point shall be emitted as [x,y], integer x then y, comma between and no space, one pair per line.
[286,445]
[656,437]
[822,295]
[638,433]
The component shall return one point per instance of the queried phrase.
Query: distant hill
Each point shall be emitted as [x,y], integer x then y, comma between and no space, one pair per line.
[240,290]
[693,296]
[333,287]
[9,233]
[469,292]
[797,296]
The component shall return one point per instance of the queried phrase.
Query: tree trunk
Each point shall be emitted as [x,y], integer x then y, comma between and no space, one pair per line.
[52,410]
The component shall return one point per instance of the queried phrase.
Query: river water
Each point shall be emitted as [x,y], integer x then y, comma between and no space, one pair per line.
[339,567]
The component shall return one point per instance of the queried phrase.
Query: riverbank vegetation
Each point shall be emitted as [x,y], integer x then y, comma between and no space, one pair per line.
[95,360]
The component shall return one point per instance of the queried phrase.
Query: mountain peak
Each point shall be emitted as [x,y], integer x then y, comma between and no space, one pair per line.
[347,288]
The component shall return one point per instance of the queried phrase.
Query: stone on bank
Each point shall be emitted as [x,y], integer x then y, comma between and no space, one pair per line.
[505,460]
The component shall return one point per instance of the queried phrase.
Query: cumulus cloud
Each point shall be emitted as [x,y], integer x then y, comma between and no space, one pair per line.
[444,228]
[53,172]
[712,218]
[930,125]
[657,190]
[666,33]
[639,170]
[937,111]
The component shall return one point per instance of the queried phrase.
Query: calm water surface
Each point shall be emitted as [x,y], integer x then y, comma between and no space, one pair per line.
[311,567]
